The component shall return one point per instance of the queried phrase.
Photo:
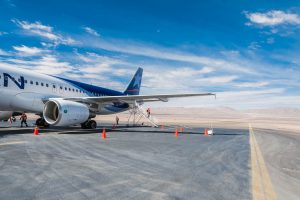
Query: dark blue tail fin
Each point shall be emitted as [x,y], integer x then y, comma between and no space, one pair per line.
[135,83]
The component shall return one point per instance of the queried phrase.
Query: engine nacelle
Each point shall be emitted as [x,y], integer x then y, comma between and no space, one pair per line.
[65,113]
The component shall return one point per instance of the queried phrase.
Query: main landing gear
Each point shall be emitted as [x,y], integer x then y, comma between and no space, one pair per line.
[90,124]
[41,122]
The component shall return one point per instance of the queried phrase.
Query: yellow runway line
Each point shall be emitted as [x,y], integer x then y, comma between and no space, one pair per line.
[262,187]
[10,143]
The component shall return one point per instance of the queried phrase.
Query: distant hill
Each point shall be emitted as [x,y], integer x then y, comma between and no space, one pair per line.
[227,112]
[275,112]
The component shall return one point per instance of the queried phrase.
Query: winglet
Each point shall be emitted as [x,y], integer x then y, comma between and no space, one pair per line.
[135,83]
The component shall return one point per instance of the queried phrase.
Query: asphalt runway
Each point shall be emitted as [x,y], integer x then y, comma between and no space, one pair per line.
[281,151]
[134,163]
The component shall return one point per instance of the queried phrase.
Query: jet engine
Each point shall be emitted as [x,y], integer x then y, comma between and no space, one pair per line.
[64,113]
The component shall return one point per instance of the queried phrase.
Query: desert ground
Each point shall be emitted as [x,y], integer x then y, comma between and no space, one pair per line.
[280,119]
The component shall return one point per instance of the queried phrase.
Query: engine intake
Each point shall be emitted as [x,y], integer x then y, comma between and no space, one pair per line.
[64,112]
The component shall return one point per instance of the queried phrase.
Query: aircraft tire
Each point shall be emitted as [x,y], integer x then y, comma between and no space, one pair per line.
[90,124]
[41,122]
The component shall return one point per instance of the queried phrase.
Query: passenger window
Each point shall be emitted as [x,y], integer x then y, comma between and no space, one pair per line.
[25,81]
[47,85]
[54,86]
[42,84]
[76,90]
[73,90]
[31,82]
[69,89]
[37,83]
[66,88]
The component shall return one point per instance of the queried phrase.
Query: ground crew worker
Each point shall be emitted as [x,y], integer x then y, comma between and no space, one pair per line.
[148,111]
[117,120]
[23,119]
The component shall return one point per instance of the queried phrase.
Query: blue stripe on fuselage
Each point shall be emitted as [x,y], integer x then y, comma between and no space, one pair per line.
[93,89]
[116,106]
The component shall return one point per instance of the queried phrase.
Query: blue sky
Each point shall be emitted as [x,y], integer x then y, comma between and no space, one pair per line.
[245,51]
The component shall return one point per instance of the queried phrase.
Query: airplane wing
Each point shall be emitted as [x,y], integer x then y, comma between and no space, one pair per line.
[135,98]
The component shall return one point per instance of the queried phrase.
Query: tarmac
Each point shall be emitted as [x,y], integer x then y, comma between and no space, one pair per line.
[137,163]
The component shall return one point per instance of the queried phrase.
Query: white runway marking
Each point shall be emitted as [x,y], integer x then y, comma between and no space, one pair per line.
[11,143]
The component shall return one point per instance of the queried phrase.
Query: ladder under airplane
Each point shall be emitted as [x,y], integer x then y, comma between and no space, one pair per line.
[137,113]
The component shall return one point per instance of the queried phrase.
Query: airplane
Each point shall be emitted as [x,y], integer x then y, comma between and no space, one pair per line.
[64,102]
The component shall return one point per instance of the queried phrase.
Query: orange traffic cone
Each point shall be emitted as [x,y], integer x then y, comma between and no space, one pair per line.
[176,132]
[103,134]
[181,130]
[36,131]
[206,132]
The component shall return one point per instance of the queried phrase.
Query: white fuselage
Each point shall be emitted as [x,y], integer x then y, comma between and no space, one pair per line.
[35,90]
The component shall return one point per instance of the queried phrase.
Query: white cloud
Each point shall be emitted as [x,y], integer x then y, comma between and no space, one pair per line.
[273,18]
[166,54]
[37,28]
[254,46]
[231,54]
[168,80]
[3,33]
[96,68]
[29,51]
[239,99]
[48,64]
[94,63]
[253,84]
[188,72]
[90,57]
[4,53]
[217,79]
[91,31]
[248,93]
